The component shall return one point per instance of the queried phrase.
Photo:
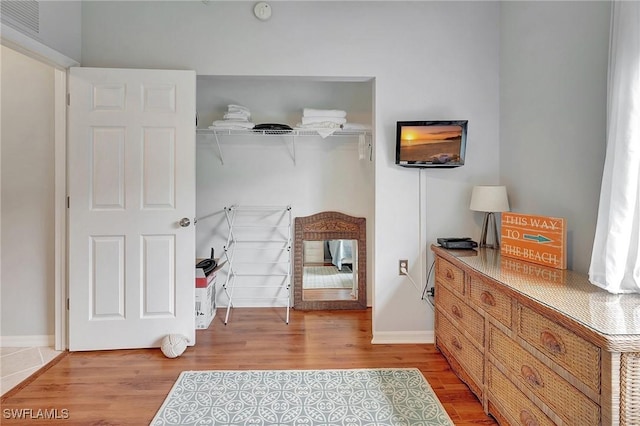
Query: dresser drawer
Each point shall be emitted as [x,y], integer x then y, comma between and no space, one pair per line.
[449,275]
[576,355]
[490,300]
[513,404]
[572,406]
[470,358]
[462,315]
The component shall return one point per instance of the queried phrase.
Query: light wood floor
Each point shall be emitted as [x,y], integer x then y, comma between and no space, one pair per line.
[127,387]
[311,294]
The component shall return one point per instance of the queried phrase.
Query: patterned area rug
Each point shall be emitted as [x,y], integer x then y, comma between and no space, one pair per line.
[357,397]
[327,277]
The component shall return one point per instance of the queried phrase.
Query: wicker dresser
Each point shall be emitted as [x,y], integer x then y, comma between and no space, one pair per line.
[538,346]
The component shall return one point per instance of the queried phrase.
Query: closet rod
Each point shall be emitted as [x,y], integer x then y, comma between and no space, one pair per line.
[261,275]
[258,286]
[262,248]
[262,226]
[262,298]
[261,241]
[259,208]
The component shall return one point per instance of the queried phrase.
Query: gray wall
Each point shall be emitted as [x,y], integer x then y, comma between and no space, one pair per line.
[529,76]
[553,75]
[59,27]
[430,60]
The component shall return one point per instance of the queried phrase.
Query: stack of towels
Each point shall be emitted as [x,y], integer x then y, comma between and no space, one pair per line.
[323,121]
[236,117]
[322,118]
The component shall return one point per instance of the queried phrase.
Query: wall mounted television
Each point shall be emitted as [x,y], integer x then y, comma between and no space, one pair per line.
[431,143]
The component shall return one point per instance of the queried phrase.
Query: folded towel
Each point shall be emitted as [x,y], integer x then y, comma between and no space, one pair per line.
[310,112]
[237,116]
[361,146]
[356,126]
[319,120]
[324,132]
[322,125]
[237,108]
[229,124]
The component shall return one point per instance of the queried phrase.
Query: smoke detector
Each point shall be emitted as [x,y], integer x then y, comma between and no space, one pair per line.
[262,10]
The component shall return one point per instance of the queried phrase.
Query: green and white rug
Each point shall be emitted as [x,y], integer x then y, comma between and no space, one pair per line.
[355,397]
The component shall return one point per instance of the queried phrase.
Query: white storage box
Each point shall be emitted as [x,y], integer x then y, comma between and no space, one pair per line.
[206,302]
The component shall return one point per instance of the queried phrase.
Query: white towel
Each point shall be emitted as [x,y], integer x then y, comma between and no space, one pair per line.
[325,133]
[361,146]
[237,116]
[322,120]
[237,108]
[229,124]
[356,127]
[323,129]
[310,112]
[323,125]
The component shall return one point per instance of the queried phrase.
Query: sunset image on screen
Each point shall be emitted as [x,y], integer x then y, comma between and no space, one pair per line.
[426,143]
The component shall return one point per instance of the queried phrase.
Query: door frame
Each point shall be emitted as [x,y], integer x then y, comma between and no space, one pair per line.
[61,313]
[22,43]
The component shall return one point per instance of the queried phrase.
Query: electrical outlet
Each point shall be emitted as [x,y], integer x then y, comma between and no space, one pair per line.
[403,264]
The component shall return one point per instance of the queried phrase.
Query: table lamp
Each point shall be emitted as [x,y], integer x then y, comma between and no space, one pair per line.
[489,199]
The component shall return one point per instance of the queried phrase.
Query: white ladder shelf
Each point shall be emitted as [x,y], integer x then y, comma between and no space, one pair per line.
[258,251]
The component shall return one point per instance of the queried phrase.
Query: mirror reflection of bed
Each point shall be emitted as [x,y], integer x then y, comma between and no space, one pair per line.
[330,270]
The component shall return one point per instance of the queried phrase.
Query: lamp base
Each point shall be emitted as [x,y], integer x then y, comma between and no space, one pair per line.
[489,227]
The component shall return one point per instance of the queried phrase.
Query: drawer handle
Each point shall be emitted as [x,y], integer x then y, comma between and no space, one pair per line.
[449,274]
[456,343]
[456,311]
[487,298]
[551,342]
[528,419]
[531,376]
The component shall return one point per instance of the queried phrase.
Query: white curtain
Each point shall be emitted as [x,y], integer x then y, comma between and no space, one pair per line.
[615,261]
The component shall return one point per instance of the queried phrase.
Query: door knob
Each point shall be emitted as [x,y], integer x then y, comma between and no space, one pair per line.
[184,222]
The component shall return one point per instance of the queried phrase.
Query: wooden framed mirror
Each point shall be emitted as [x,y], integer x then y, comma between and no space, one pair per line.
[333,241]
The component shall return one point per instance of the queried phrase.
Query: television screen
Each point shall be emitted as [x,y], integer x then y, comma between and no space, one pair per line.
[431,143]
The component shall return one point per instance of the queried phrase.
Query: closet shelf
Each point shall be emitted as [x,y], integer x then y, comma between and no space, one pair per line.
[294,132]
[363,136]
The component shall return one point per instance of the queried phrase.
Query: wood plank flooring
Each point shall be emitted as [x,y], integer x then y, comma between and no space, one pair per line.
[312,294]
[127,387]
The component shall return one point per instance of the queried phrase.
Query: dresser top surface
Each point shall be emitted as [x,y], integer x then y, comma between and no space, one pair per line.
[565,291]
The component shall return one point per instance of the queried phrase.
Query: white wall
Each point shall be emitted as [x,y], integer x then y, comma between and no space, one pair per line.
[61,26]
[59,29]
[27,278]
[553,80]
[430,60]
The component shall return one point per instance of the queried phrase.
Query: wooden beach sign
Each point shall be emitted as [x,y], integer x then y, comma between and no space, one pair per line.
[537,239]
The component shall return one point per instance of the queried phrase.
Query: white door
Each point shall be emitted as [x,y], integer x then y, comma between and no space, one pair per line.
[131,180]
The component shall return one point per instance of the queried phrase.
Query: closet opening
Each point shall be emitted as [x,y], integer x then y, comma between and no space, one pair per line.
[312,170]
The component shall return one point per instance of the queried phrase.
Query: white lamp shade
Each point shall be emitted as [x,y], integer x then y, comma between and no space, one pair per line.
[489,198]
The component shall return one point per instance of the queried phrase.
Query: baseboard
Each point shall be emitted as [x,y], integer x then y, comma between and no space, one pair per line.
[400,337]
[26,341]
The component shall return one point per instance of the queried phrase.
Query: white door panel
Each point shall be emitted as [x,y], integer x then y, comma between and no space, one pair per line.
[131,180]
